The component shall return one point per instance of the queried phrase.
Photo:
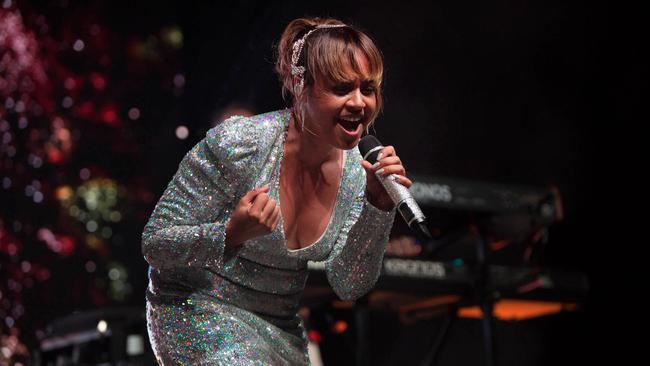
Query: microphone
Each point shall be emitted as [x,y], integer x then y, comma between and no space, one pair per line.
[370,147]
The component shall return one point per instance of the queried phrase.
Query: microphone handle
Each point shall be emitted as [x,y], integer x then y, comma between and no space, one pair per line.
[405,203]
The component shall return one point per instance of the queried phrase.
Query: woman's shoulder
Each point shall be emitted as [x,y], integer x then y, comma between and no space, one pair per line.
[244,135]
[354,172]
[244,127]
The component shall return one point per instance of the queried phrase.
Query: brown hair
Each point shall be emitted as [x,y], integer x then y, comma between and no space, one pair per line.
[325,55]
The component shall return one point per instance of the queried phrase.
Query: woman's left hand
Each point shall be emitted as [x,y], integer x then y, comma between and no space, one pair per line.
[387,163]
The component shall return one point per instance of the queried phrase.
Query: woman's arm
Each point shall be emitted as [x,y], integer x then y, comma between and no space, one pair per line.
[355,262]
[188,225]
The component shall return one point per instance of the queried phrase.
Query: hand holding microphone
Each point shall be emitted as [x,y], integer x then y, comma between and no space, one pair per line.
[386,164]
[387,184]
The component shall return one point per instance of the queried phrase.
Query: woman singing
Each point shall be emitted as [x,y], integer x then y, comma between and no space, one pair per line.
[258,197]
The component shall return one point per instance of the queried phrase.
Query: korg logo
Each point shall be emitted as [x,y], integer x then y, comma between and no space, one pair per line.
[423,192]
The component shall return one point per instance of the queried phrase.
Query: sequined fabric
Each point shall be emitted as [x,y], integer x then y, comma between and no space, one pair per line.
[215,307]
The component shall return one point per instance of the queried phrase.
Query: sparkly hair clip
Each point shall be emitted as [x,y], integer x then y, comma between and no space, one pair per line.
[295,56]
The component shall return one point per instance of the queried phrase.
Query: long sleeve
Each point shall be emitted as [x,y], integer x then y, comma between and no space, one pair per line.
[355,262]
[187,227]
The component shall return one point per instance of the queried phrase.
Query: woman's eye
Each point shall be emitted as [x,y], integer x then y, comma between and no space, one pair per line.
[369,90]
[344,89]
[341,90]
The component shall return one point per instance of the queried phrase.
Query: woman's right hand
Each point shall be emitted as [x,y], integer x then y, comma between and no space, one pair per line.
[255,215]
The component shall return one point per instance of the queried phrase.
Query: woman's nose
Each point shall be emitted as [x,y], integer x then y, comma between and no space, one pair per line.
[356,100]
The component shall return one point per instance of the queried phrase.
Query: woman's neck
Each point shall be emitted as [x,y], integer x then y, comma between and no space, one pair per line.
[308,149]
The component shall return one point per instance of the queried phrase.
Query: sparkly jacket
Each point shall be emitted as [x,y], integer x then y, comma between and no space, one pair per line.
[207,306]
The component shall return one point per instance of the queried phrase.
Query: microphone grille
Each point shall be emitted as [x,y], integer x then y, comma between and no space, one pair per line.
[367,144]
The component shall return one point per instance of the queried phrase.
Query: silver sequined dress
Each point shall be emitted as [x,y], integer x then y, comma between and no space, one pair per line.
[210,307]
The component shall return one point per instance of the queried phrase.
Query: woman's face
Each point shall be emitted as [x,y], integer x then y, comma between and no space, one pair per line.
[339,112]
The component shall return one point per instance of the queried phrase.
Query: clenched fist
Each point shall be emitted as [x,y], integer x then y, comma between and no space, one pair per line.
[255,215]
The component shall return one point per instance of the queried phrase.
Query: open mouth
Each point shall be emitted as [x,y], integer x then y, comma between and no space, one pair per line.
[350,126]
